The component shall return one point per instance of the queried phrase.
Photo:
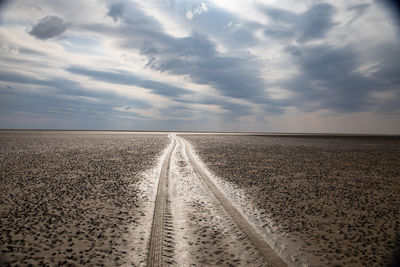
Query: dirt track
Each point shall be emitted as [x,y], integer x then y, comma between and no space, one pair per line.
[235,228]
[161,213]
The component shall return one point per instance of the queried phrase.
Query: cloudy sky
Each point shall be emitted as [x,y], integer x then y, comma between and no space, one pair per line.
[291,66]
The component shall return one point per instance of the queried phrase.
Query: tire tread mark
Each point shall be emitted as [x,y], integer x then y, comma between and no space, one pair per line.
[271,258]
[156,246]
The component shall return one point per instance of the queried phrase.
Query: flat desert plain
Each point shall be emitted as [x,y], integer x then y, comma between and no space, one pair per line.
[75,197]
[137,199]
[329,200]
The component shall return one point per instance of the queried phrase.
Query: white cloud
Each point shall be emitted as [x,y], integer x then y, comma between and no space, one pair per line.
[201,9]
[206,36]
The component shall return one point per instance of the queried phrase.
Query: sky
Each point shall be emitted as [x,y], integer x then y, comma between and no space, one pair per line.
[275,66]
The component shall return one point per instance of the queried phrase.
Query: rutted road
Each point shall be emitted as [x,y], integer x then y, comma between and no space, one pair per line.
[209,228]
[161,213]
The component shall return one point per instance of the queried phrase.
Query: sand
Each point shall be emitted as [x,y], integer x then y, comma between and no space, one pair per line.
[76,198]
[205,235]
[336,201]
[87,198]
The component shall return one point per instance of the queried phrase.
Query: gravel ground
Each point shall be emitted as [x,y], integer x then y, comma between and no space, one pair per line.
[73,197]
[336,198]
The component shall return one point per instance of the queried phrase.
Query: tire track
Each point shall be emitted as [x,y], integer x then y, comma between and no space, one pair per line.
[161,237]
[271,258]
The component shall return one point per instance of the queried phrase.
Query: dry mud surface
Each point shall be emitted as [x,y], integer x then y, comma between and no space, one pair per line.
[205,234]
[323,201]
[76,197]
[88,198]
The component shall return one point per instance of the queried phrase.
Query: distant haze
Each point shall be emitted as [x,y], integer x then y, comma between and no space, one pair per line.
[280,66]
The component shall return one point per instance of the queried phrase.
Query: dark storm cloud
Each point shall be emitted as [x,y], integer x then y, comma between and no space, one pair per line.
[115,11]
[29,51]
[359,10]
[195,56]
[230,76]
[49,27]
[32,62]
[281,15]
[329,80]
[72,107]
[125,78]
[196,45]
[328,76]
[18,78]
[56,83]
[3,6]
[65,88]
[280,32]
[128,12]
[44,103]
[309,25]
[61,107]
[3,3]
[316,22]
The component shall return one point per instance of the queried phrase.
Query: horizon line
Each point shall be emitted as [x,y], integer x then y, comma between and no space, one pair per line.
[267,133]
